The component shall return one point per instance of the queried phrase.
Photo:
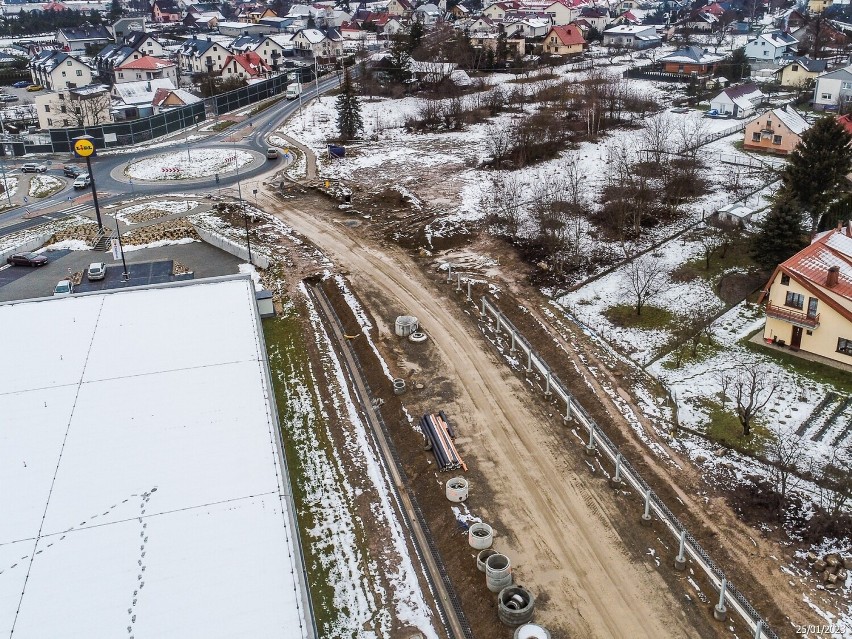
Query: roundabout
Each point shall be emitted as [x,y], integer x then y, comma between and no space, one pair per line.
[189,164]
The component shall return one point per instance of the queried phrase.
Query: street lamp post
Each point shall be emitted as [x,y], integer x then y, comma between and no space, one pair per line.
[3,161]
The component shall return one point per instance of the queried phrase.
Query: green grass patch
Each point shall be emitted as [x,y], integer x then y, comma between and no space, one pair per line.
[652,316]
[704,351]
[262,107]
[814,371]
[725,428]
[224,124]
[735,256]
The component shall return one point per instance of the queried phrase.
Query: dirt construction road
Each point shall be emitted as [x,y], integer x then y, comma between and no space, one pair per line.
[561,543]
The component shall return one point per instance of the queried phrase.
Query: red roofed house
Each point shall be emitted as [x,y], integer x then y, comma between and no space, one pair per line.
[567,40]
[54,6]
[401,8]
[846,122]
[146,68]
[809,298]
[246,65]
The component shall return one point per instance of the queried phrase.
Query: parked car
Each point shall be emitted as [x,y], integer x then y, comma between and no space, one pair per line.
[22,84]
[27,259]
[72,171]
[35,87]
[33,167]
[271,154]
[96,271]
[83,180]
[63,287]
[9,98]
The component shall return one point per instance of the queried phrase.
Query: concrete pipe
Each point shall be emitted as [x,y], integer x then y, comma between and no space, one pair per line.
[482,557]
[480,536]
[498,572]
[398,386]
[417,337]
[531,631]
[405,325]
[515,606]
[457,489]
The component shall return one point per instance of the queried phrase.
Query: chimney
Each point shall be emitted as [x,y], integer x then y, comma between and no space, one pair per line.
[833,276]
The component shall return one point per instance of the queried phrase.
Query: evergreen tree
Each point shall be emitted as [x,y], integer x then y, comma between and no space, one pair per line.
[400,59]
[817,167]
[735,67]
[349,121]
[115,10]
[781,235]
[502,52]
[415,35]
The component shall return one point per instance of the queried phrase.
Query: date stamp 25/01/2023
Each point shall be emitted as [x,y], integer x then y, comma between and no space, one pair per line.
[816,630]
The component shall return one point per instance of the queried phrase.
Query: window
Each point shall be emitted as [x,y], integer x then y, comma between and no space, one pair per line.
[121,74]
[794,68]
[63,74]
[79,73]
[846,85]
[68,63]
[776,139]
[49,122]
[785,279]
[61,96]
[813,303]
[844,346]
[47,108]
[825,96]
[62,109]
[794,300]
[755,137]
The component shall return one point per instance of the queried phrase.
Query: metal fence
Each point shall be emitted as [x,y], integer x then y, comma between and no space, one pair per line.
[599,440]
[244,96]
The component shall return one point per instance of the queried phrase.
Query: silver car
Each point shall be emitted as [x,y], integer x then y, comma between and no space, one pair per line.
[64,287]
[96,271]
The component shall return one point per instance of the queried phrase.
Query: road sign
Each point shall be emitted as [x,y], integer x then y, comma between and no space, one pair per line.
[26,200]
[84,148]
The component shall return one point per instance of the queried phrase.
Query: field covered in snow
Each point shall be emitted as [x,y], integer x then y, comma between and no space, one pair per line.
[185,165]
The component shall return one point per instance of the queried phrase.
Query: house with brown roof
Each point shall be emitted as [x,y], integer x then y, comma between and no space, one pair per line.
[690,61]
[400,8]
[809,298]
[739,101]
[247,66]
[777,131]
[146,68]
[567,40]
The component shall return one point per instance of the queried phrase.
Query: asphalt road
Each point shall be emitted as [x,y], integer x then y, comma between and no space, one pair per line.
[112,190]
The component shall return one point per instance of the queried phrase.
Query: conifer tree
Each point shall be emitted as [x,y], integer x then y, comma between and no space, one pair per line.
[781,235]
[349,121]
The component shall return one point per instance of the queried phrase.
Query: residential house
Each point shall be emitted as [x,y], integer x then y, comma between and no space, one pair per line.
[529,27]
[818,6]
[204,21]
[146,68]
[777,131]
[691,61]
[137,98]
[738,101]
[498,10]
[166,11]
[236,29]
[271,48]
[596,17]
[74,107]
[632,37]
[165,99]
[400,8]
[313,43]
[198,55]
[460,12]
[132,46]
[124,26]
[256,15]
[800,72]
[245,66]
[567,40]
[770,46]
[562,12]
[830,38]
[76,40]
[833,90]
[809,298]
[54,70]
[488,41]
[429,14]
[392,26]
[702,22]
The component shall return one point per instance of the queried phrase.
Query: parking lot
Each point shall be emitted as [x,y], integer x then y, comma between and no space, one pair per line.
[145,266]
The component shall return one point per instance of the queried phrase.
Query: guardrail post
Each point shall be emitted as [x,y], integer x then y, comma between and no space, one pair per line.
[646,516]
[615,482]
[468,291]
[482,314]
[567,417]
[758,631]
[449,272]
[720,612]
[528,369]
[458,281]
[513,348]
[547,392]
[590,447]
[497,329]
[680,560]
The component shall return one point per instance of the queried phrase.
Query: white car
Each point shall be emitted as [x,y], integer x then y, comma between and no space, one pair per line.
[82,181]
[96,271]
[64,287]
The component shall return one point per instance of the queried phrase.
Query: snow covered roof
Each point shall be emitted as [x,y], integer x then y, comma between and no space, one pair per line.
[144,490]
[808,64]
[778,38]
[791,119]
[314,36]
[142,92]
[745,96]
[629,29]
[691,55]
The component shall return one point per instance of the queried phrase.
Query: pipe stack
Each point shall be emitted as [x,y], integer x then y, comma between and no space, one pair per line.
[437,431]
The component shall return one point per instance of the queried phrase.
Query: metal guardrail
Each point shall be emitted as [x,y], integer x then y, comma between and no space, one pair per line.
[734,598]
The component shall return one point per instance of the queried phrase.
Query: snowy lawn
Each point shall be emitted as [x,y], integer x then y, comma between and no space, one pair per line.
[180,166]
[10,186]
[148,211]
[44,185]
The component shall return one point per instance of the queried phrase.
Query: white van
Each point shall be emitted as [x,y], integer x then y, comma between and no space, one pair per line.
[293,90]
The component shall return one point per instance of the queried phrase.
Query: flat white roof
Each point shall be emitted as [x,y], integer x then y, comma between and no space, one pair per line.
[143,493]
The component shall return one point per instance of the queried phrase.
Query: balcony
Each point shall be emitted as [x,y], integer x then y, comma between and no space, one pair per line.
[787,314]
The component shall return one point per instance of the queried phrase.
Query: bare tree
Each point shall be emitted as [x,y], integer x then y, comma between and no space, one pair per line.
[785,452]
[551,213]
[657,137]
[710,240]
[752,386]
[645,277]
[836,483]
[505,203]
[498,141]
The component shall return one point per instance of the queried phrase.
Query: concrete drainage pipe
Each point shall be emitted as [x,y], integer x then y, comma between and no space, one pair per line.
[531,631]
[482,557]
[417,337]
[457,489]
[480,536]
[515,606]
[498,572]
[398,386]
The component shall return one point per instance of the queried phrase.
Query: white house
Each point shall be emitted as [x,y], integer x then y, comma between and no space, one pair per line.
[56,70]
[313,43]
[770,46]
[529,27]
[74,107]
[833,89]
[739,101]
[146,68]
[200,56]
[428,14]
[631,36]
